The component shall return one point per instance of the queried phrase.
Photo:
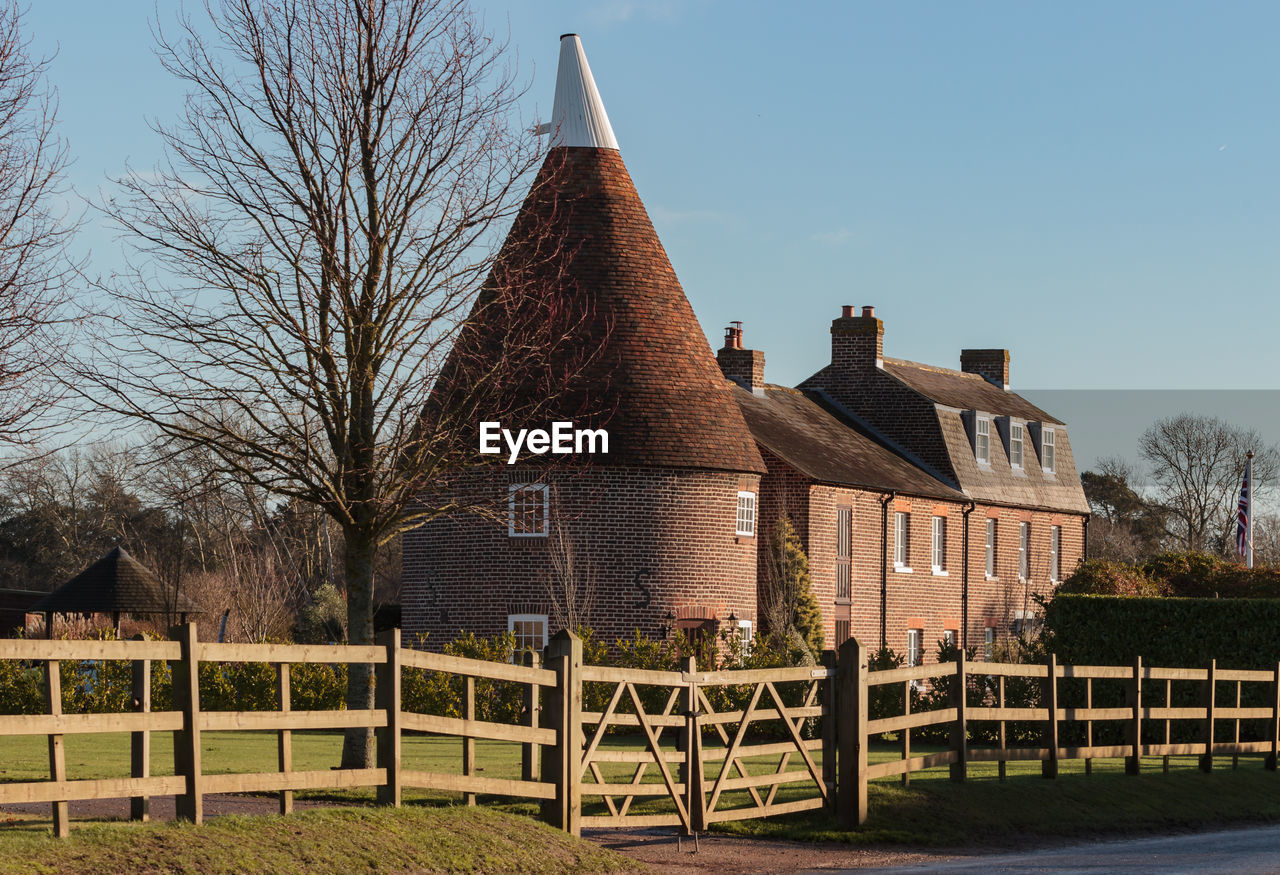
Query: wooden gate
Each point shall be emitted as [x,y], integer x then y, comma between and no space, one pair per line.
[692,748]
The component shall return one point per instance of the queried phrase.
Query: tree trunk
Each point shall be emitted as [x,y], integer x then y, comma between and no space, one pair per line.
[357,745]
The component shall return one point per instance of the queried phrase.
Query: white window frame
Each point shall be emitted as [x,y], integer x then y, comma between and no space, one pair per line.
[949,637]
[512,619]
[902,541]
[982,440]
[512,490]
[1017,443]
[992,534]
[1048,451]
[745,631]
[1055,552]
[746,522]
[989,643]
[1024,551]
[915,653]
[939,536]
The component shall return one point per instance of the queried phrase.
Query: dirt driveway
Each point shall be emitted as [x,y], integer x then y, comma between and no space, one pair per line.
[720,853]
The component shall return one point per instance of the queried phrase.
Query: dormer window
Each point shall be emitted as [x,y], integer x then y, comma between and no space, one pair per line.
[982,441]
[1015,444]
[1048,451]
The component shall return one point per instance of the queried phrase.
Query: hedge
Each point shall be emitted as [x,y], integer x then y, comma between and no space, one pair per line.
[1167,632]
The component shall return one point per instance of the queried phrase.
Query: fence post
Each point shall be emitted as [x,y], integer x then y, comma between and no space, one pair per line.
[960,728]
[529,753]
[695,797]
[386,694]
[829,711]
[1049,767]
[284,740]
[1133,698]
[57,752]
[1275,721]
[186,742]
[469,741]
[1210,705]
[851,730]
[562,765]
[140,742]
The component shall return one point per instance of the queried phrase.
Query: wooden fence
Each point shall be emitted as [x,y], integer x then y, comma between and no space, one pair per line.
[561,762]
[1148,710]
[712,746]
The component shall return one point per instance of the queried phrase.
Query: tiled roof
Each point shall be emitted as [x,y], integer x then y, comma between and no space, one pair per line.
[116,582]
[817,442]
[667,403]
[964,391]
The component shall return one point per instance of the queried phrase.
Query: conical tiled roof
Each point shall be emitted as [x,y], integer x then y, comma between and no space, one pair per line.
[115,583]
[668,403]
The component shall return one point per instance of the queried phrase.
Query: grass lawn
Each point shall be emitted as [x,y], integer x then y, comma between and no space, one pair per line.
[931,811]
[1027,808]
[413,839]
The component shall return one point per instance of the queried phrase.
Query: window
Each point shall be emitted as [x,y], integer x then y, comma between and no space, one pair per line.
[1024,551]
[913,646]
[982,441]
[948,637]
[991,549]
[1015,444]
[842,632]
[1048,451]
[989,643]
[746,513]
[844,538]
[1055,547]
[901,541]
[939,545]
[527,510]
[530,631]
[745,631]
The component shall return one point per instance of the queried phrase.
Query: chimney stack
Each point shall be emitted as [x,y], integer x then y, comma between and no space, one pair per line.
[990,364]
[857,342]
[744,366]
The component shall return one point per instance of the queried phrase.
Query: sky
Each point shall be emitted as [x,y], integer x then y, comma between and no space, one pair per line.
[1092,185]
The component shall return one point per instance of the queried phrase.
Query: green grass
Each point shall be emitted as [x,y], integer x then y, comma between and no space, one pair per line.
[414,839]
[1027,809]
[25,758]
[933,810]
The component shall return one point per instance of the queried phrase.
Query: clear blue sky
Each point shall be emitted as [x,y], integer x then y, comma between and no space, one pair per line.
[1094,185]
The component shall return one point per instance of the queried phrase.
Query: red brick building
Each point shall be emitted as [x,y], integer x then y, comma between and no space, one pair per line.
[929,501]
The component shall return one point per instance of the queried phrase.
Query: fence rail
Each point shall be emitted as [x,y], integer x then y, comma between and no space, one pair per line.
[1148,710]
[713,745]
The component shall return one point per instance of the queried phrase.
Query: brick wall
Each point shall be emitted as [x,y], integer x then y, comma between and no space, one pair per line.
[920,598]
[650,539]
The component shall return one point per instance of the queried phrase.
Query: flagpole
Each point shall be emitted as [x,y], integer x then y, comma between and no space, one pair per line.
[1248,473]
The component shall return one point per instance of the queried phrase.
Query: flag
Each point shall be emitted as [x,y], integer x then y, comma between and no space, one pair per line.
[1244,510]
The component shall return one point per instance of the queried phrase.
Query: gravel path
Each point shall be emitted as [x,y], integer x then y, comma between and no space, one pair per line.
[720,853]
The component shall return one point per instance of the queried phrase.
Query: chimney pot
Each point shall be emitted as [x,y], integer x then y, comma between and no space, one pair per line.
[847,311]
[743,366]
[868,312]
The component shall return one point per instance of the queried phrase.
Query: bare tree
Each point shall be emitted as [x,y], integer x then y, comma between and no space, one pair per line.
[571,586]
[331,209]
[1197,464]
[34,231]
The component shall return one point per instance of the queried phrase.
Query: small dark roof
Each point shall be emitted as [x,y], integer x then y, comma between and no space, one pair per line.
[116,582]
[822,445]
[964,391]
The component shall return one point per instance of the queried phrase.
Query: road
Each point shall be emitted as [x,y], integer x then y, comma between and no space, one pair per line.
[1236,851]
